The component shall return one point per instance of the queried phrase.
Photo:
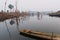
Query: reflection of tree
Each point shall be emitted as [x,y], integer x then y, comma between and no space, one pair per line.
[32,14]
[17,23]
[39,16]
[8,30]
[12,22]
[24,18]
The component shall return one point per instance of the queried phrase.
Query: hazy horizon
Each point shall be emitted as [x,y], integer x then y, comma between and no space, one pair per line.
[33,5]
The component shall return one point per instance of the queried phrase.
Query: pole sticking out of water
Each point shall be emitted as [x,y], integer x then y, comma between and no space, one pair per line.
[52,36]
[5,5]
[16,5]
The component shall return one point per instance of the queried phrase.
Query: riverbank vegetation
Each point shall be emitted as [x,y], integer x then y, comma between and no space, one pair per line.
[8,15]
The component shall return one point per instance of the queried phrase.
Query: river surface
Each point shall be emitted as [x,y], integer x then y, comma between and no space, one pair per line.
[9,29]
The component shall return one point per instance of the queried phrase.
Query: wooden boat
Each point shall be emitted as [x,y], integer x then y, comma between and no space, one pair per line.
[39,35]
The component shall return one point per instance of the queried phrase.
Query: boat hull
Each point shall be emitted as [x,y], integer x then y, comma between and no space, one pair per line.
[32,36]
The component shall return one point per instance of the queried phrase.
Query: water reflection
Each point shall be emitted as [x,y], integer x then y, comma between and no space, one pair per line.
[17,23]
[8,30]
[21,20]
[39,16]
[31,21]
[32,14]
[12,22]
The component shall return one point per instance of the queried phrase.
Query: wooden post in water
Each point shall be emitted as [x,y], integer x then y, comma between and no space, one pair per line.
[5,5]
[52,36]
[16,6]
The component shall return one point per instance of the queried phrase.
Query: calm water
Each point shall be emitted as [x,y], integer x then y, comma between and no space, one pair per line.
[9,29]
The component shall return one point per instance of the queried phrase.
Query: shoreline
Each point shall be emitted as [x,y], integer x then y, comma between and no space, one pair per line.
[4,16]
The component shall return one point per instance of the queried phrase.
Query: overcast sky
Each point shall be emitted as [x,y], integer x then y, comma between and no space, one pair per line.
[34,5]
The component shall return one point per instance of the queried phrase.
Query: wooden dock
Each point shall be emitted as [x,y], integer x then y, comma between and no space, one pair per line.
[39,35]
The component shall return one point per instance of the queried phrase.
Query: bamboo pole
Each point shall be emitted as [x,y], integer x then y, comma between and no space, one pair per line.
[16,6]
[52,36]
[5,5]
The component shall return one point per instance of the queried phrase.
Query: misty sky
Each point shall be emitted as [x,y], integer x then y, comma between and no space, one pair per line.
[33,5]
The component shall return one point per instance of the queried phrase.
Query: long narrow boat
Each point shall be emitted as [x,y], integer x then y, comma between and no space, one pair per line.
[39,35]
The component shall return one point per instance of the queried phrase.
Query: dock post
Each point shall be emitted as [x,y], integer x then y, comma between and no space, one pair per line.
[52,36]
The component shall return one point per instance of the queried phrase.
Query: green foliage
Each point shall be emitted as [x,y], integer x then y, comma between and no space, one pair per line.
[11,6]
